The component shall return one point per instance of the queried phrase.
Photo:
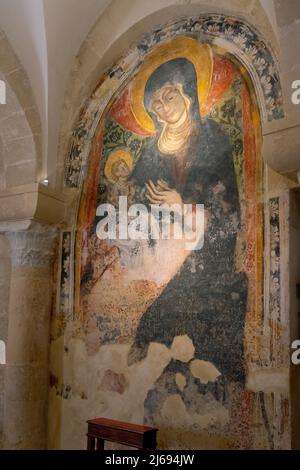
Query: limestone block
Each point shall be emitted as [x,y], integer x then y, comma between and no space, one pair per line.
[33,119]
[8,59]
[20,84]
[15,126]
[29,312]
[21,150]
[21,173]
[32,248]
[18,205]
[26,383]
[30,201]
[26,387]
[25,424]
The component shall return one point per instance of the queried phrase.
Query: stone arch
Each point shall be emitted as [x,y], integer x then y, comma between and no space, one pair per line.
[20,128]
[237,37]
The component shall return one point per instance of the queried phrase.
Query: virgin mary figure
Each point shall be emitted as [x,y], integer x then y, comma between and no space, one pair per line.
[189,160]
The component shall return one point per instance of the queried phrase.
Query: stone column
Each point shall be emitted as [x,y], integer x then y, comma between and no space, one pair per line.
[27,378]
[4,299]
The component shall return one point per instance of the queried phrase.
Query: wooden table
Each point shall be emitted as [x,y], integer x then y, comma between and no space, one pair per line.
[133,435]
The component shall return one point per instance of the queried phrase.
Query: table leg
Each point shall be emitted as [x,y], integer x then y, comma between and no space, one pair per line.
[100,444]
[90,443]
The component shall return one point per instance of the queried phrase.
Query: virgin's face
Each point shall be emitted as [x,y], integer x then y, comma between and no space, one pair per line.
[169,104]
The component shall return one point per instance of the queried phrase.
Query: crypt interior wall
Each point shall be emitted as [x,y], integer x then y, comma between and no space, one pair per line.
[157,334]
[5,267]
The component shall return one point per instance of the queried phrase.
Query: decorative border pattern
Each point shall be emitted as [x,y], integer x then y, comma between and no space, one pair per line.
[248,46]
[65,274]
[239,38]
[274,282]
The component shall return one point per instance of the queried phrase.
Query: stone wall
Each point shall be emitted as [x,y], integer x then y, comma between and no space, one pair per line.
[5,267]
[27,374]
[20,128]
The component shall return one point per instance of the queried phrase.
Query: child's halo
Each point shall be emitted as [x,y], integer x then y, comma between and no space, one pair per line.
[115,156]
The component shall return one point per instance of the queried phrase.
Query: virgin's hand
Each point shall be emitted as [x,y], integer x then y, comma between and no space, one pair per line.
[172,197]
[162,194]
[163,185]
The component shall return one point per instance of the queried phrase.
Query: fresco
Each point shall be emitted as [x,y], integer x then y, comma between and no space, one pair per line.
[183,130]
[155,332]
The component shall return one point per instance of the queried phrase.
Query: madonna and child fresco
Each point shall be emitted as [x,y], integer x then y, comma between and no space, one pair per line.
[181,131]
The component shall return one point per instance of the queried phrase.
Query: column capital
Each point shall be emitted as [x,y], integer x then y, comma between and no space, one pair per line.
[34,201]
[31,244]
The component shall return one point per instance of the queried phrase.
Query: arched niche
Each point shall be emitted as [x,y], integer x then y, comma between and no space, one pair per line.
[120,27]
[235,36]
[243,89]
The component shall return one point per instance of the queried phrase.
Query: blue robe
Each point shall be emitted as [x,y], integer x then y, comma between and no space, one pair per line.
[206,299]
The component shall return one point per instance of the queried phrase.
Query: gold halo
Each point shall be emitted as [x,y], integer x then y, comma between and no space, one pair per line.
[180,47]
[113,158]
